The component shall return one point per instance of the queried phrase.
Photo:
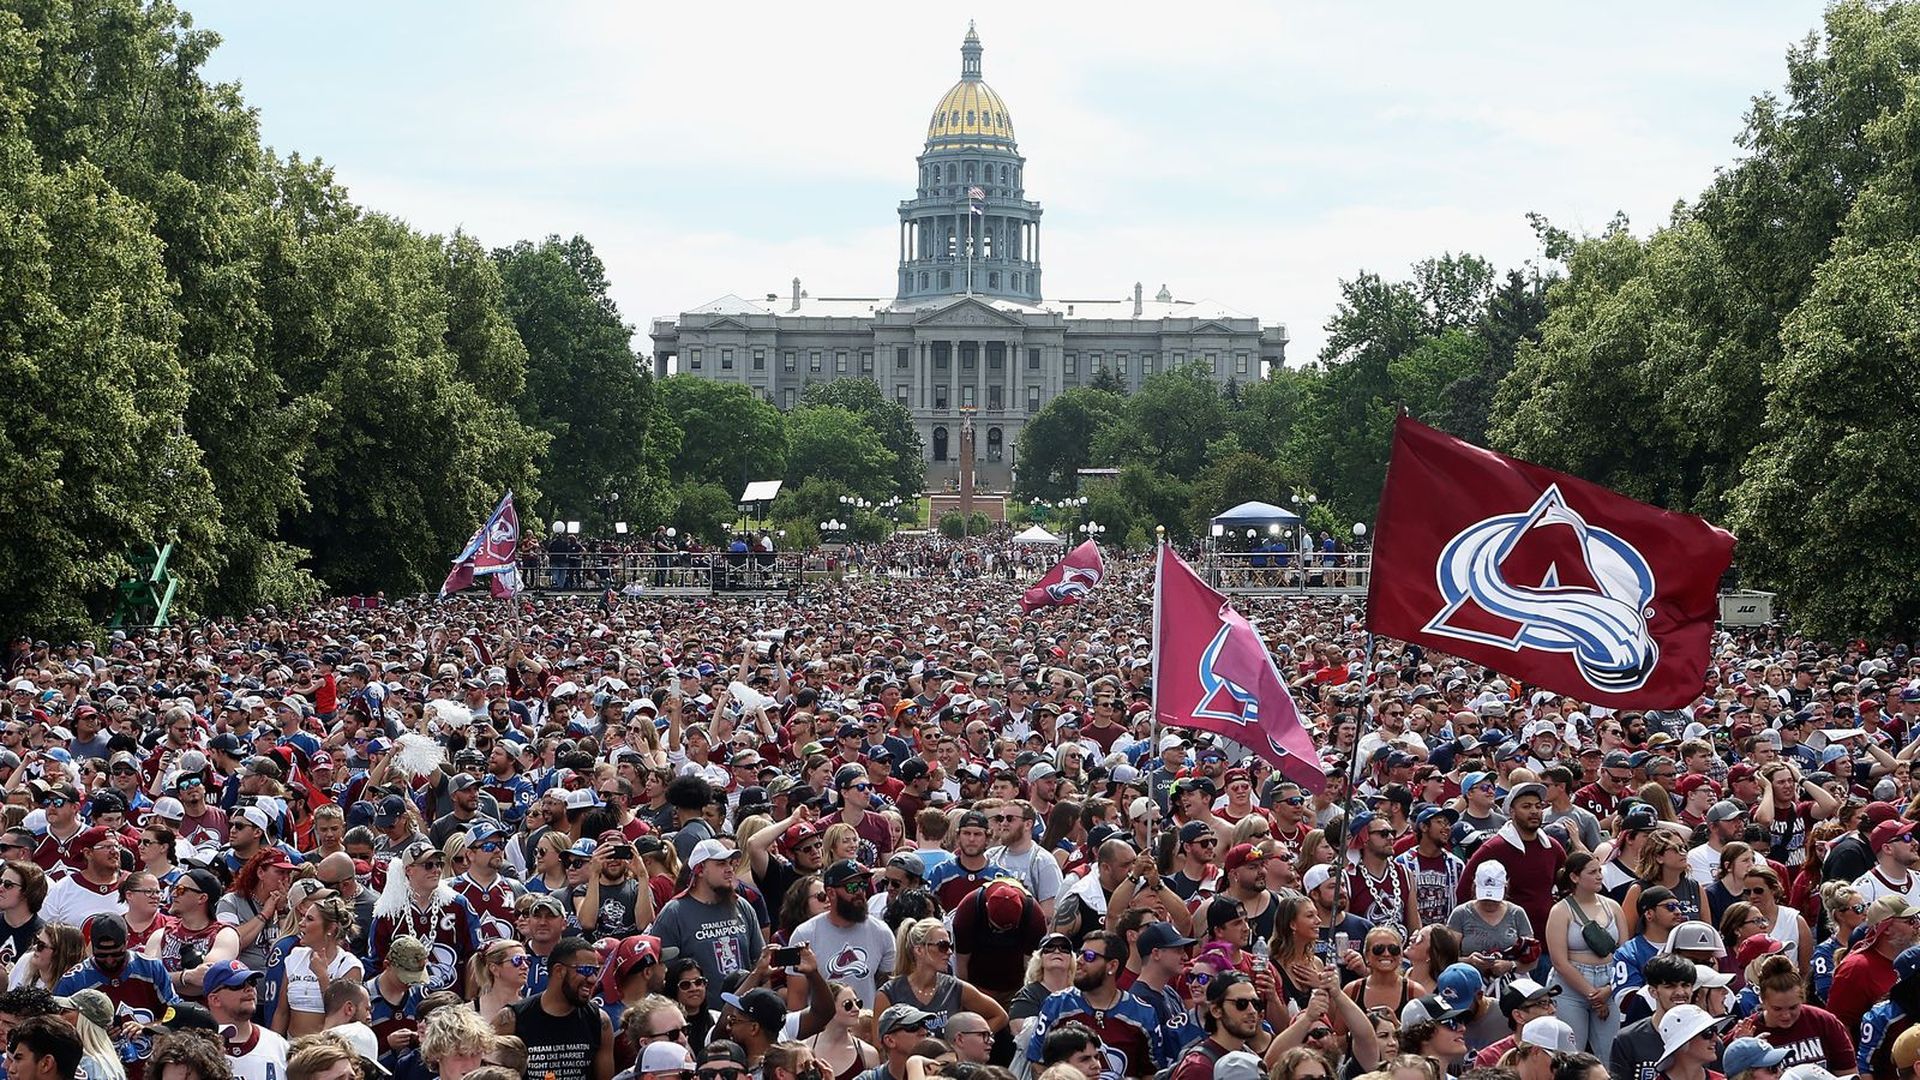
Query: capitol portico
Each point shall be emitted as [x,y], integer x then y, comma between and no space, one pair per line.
[967,327]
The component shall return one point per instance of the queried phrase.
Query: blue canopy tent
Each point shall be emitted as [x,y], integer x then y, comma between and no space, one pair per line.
[1253,515]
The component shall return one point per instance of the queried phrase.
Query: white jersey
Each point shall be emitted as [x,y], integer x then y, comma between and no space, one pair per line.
[263,1056]
[72,900]
[1873,885]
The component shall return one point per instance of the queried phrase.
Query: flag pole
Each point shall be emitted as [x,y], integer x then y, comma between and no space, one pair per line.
[1340,868]
[1153,734]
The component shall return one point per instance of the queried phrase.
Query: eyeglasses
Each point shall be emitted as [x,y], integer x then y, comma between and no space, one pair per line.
[1244,1004]
[9,885]
[1757,920]
[588,972]
[130,892]
[1385,949]
[12,847]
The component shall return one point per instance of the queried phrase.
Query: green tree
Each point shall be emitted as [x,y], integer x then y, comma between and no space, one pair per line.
[704,510]
[93,458]
[888,419]
[585,387]
[1167,423]
[1230,481]
[1106,378]
[728,435]
[836,445]
[1058,441]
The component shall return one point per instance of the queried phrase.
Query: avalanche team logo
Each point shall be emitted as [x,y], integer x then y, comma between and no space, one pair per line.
[1075,582]
[850,963]
[1223,699]
[1595,611]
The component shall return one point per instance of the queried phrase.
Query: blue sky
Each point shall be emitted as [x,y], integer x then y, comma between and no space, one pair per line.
[1253,154]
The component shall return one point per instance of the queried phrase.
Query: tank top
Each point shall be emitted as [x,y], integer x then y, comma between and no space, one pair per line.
[303,988]
[1786,929]
[847,1073]
[944,1000]
[558,1047]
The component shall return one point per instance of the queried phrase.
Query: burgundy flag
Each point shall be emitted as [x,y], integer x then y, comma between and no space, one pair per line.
[1211,671]
[1543,576]
[1070,579]
[491,553]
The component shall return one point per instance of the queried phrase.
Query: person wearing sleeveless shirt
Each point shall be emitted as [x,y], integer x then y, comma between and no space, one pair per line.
[568,1037]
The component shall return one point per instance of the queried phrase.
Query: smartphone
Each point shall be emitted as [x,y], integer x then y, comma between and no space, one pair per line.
[786,956]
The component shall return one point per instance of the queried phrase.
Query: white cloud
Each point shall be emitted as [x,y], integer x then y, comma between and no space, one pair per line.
[1250,152]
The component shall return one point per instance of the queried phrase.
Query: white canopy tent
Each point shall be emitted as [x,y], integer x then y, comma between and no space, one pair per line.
[1035,536]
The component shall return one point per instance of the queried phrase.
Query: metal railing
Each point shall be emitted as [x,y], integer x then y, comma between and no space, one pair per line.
[675,574]
[1289,572]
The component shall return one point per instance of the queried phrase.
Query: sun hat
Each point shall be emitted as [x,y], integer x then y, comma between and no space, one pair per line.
[1681,1025]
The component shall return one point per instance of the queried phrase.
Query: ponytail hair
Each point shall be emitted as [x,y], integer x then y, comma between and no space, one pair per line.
[1776,974]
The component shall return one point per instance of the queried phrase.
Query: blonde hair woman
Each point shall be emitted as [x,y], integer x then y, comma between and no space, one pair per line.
[842,842]
[925,951]
[320,958]
[1050,971]
[549,863]
[497,975]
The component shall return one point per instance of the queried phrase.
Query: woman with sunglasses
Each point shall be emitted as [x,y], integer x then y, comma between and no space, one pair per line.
[23,887]
[1385,985]
[687,985]
[315,963]
[55,952]
[1663,862]
[198,939]
[838,1049]
[549,863]
[1846,909]
[499,973]
[805,898]
[1765,892]
[1049,971]
[925,952]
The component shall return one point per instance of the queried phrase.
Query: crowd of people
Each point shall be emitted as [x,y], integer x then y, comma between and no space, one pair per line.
[889,828]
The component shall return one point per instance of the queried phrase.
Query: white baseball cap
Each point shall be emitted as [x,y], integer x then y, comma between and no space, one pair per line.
[1490,881]
[1317,876]
[1550,1033]
[711,849]
[665,1056]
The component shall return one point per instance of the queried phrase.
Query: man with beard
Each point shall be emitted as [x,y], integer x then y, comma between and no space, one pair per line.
[1232,1018]
[59,852]
[1243,878]
[567,1036]
[1532,859]
[1379,889]
[254,1051]
[711,921]
[202,824]
[1290,828]
[854,947]
[416,903]
[801,853]
[490,895]
[1195,878]
[1726,820]
[611,903]
[463,791]
[1435,869]
[1125,1023]
[138,986]
[970,868]
[95,890]
[856,795]
[1036,869]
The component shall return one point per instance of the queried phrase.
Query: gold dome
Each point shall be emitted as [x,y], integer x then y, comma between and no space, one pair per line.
[970,114]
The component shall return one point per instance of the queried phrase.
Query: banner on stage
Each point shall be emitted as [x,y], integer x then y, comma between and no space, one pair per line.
[1543,576]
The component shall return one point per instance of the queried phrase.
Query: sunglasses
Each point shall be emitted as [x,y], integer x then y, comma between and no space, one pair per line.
[1089,956]
[721,1074]
[943,946]
[1244,1004]
[518,960]
[1295,800]
[55,803]
[1385,949]
[588,972]
[672,1033]
[692,984]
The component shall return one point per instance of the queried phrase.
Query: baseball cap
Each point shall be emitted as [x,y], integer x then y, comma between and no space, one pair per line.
[1652,897]
[1889,907]
[1696,936]
[1887,832]
[364,1043]
[666,1056]
[1530,787]
[1521,992]
[1240,855]
[1429,1008]
[1315,877]
[1006,904]
[407,956]
[844,872]
[711,849]
[1724,810]
[1459,984]
[763,1007]
[1751,1053]
[1553,1034]
[187,1016]
[1906,1049]
[228,974]
[901,1016]
[1160,935]
[1490,881]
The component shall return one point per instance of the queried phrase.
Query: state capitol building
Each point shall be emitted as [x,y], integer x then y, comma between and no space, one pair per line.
[967,327]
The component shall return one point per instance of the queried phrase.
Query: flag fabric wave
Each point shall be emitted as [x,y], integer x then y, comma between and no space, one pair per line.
[491,553]
[1212,672]
[1071,578]
[1543,576]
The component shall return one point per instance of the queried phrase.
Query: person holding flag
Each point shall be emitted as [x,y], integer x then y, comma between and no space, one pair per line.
[491,553]
[1068,580]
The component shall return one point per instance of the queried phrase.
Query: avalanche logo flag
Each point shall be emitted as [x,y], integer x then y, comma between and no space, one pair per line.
[1211,671]
[1070,579]
[490,554]
[1543,576]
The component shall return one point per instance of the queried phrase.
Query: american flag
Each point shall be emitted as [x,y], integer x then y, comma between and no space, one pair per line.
[974,195]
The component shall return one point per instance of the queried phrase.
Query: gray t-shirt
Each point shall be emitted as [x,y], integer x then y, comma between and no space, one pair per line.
[235,909]
[1035,868]
[1581,822]
[860,955]
[720,937]
[1479,936]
